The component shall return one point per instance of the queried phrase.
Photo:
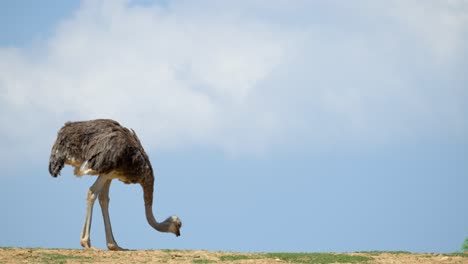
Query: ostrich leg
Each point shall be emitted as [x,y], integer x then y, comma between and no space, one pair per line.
[93,193]
[104,202]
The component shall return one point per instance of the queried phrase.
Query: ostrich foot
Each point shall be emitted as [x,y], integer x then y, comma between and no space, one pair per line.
[86,243]
[115,247]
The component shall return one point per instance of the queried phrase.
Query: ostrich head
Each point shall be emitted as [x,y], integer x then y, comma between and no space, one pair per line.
[172,225]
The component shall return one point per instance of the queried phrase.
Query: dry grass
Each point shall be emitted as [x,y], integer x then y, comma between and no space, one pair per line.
[39,255]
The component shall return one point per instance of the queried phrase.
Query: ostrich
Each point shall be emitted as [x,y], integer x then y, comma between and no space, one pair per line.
[104,148]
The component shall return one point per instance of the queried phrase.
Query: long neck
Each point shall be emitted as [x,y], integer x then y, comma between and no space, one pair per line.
[147,186]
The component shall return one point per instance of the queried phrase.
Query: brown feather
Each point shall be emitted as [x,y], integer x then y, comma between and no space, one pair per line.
[105,145]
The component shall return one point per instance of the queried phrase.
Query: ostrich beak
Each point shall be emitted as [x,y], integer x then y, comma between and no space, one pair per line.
[179,225]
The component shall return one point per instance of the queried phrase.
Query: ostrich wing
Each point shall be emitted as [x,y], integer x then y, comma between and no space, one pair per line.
[116,151]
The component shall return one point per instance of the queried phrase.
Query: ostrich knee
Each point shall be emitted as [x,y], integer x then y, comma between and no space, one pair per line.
[91,197]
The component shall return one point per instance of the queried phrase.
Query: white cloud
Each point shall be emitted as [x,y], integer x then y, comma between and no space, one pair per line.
[442,25]
[227,78]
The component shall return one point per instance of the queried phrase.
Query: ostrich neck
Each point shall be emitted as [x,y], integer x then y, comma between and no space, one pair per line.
[161,227]
[148,196]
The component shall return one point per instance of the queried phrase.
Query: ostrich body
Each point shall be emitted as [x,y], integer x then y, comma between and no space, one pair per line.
[104,148]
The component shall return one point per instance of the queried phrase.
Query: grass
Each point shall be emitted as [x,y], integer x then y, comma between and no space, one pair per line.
[44,257]
[6,248]
[60,258]
[203,261]
[39,255]
[378,252]
[236,257]
[164,250]
[322,258]
[464,255]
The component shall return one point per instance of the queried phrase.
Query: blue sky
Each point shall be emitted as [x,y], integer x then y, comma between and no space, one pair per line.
[271,125]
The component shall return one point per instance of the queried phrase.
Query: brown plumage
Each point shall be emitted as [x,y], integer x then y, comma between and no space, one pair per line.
[104,148]
[105,145]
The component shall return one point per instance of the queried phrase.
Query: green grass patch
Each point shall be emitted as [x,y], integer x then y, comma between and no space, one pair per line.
[322,258]
[464,255]
[235,257]
[378,252]
[165,250]
[61,258]
[203,261]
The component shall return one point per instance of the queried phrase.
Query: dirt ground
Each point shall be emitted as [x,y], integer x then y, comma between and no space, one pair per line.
[38,255]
